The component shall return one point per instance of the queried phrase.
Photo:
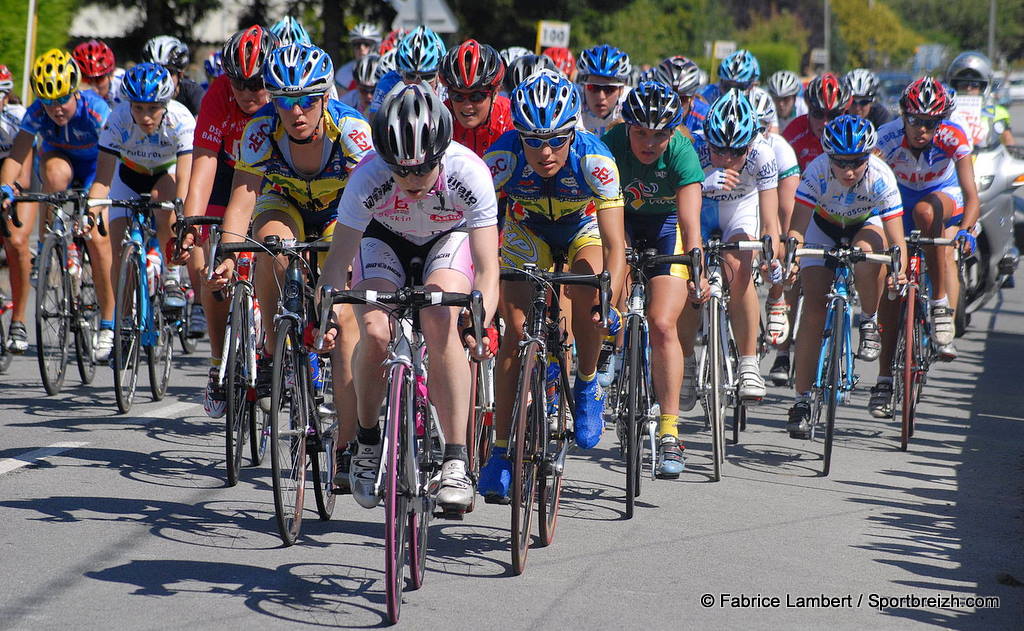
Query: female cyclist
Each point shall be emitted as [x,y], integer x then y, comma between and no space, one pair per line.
[603,72]
[472,73]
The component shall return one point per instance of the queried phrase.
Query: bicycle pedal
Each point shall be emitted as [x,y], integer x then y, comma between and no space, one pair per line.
[495,499]
[453,514]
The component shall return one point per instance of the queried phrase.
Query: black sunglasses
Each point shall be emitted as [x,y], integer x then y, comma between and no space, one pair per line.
[478,96]
[728,151]
[848,163]
[823,114]
[868,100]
[250,85]
[419,170]
[923,121]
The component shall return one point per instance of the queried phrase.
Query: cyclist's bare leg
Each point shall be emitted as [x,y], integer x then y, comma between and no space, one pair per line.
[268,271]
[687,327]
[930,215]
[449,374]
[668,298]
[216,310]
[869,277]
[743,303]
[56,174]
[506,369]
[952,272]
[370,353]
[102,258]
[589,260]
[888,320]
[163,191]
[341,373]
[19,255]
[816,282]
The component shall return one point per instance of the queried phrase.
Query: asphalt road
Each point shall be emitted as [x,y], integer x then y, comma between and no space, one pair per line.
[124,521]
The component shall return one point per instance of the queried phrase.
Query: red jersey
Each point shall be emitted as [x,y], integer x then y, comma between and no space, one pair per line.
[805,144]
[482,137]
[221,122]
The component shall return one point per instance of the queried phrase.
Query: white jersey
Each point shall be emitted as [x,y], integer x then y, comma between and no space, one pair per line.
[152,153]
[10,125]
[759,173]
[462,197]
[785,157]
[344,77]
[876,194]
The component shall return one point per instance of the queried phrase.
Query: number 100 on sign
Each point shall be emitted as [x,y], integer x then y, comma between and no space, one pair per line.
[551,33]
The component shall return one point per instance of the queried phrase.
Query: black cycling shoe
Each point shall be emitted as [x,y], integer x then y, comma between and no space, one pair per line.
[779,374]
[799,424]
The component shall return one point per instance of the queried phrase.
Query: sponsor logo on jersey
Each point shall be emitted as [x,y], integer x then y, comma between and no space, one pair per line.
[358,136]
[378,194]
[465,194]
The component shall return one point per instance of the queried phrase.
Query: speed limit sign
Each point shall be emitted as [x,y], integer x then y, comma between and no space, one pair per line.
[550,33]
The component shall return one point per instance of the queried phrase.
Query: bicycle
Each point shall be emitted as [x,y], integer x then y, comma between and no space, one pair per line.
[834,378]
[413,439]
[66,300]
[719,360]
[6,309]
[914,350]
[539,444]
[633,408]
[480,429]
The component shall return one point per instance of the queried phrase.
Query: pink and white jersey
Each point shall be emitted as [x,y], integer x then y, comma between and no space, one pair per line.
[935,167]
[463,196]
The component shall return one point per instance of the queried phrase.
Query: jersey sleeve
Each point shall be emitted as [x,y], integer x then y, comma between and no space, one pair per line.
[209,130]
[355,137]
[808,193]
[358,199]
[501,159]
[114,132]
[256,145]
[890,202]
[472,187]
[185,131]
[602,176]
[32,121]
[766,174]
[683,160]
[953,141]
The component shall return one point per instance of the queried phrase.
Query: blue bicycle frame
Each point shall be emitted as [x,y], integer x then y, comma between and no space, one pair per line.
[838,298]
[143,222]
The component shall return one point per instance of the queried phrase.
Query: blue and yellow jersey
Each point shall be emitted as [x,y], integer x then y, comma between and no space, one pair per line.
[264,151]
[585,185]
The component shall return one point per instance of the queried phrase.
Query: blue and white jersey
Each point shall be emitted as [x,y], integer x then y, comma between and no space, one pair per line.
[876,194]
[10,125]
[149,153]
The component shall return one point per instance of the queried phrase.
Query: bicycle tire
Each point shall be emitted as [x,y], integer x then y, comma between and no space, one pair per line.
[395,500]
[259,432]
[287,434]
[160,355]
[236,385]
[631,412]
[6,315]
[428,454]
[549,482]
[524,466]
[716,367]
[833,383]
[127,327]
[184,324]
[86,314]
[905,366]
[324,461]
[53,293]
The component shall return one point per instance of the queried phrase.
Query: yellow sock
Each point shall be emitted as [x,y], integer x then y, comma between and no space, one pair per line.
[215,362]
[667,425]
[501,443]
[587,378]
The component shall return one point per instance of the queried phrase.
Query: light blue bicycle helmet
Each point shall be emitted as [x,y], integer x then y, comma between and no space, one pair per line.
[603,61]
[214,65]
[739,69]
[731,122]
[297,70]
[653,105]
[545,103]
[147,83]
[419,52]
[290,31]
[848,135]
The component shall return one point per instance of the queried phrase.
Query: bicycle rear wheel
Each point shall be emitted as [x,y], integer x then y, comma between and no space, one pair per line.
[128,327]
[551,443]
[53,297]
[715,367]
[323,460]
[396,501]
[287,433]
[524,441]
[238,419]
[160,354]
[631,413]
[184,324]
[6,313]
[87,317]
[834,378]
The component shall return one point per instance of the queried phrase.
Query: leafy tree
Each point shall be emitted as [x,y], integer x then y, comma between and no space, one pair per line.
[54,20]
[874,33]
[778,27]
[964,25]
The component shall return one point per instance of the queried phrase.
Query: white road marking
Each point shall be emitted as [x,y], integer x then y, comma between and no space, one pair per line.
[170,411]
[1000,416]
[11,464]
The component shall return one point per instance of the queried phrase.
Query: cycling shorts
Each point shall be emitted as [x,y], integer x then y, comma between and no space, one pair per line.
[821,232]
[538,243]
[83,171]
[222,180]
[310,226]
[910,199]
[386,255]
[732,218]
[128,184]
[660,232]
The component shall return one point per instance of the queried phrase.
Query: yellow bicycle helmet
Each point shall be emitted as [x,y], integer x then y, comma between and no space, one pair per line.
[55,74]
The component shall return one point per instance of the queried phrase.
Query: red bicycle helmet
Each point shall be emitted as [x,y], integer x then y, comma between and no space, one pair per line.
[564,59]
[392,39]
[828,93]
[246,51]
[926,97]
[6,80]
[472,66]
[94,58]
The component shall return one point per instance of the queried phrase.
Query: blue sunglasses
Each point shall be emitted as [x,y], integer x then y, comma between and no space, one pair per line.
[304,102]
[555,142]
[59,101]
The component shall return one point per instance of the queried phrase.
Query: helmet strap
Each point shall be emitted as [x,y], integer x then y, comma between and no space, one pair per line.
[316,132]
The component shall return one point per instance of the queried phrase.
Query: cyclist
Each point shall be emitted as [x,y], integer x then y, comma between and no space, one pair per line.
[603,72]
[417,58]
[739,71]
[472,73]
[145,140]
[971,74]
[864,86]
[661,183]
[294,162]
[420,195]
[525,66]
[683,76]
[227,108]
[564,60]
[512,53]
[289,31]
[364,38]
[849,193]
[741,201]
[366,72]
[784,88]
[391,40]
[827,97]
[19,258]
[931,157]
[213,67]
[99,69]
[68,122]
[566,198]
[172,53]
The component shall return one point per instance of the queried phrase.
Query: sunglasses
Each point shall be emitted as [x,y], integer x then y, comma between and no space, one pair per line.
[368,90]
[923,121]
[419,170]
[823,114]
[305,102]
[473,97]
[248,85]
[848,163]
[727,151]
[602,88]
[730,85]
[423,77]
[58,101]
[968,85]
[555,142]
[865,101]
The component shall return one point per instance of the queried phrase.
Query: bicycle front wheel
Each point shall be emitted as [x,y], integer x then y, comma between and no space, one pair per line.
[160,353]
[524,441]
[323,460]
[238,419]
[53,294]
[716,382]
[552,439]
[287,433]
[184,324]
[86,315]
[833,379]
[631,419]
[904,368]
[396,501]
[6,313]
[128,327]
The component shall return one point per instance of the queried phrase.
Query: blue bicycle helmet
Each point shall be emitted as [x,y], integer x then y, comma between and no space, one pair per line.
[147,83]
[653,105]
[740,69]
[214,65]
[298,69]
[545,103]
[848,135]
[603,61]
[731,122]
[290,31]
[419,52]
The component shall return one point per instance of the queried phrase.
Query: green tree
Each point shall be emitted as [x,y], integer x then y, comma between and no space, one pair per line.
[964,25]
[874,34]
[777,27]
[54,20]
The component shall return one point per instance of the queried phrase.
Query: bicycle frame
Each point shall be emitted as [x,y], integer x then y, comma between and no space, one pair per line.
[838,299]
[142,234]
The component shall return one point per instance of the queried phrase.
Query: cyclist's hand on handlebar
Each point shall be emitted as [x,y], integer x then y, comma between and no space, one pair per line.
[183,252]
[222,274]
[772,271]
[309,335]
[613,323]
[7,194]
[490,342]
[970,243]
[705,291]
[794,274]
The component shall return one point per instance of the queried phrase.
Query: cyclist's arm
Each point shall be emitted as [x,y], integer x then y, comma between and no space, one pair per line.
[200,182]
[613,244]
[688,205]
[245,189]
[105,165]
[787,201]
[798,224]
[20,150]
[344,245]
[1007,137]
[182,173]
[893,227]
[972,205]
[483,244]
[768,201]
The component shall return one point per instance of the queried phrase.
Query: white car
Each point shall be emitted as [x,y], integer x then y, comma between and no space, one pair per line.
[1015,88]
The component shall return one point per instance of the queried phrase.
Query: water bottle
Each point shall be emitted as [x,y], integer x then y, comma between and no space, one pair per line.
[243,266]
[605,362]
[422,401]
[74,261]
[552,377]
[314,365]
[152,268]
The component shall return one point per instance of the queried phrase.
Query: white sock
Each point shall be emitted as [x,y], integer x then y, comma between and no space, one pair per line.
[941,302]
[749,361]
